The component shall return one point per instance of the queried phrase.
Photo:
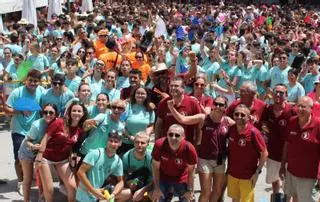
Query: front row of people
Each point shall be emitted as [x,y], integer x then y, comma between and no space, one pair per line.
[169,168]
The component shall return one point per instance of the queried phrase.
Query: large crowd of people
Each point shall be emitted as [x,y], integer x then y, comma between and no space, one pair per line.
[127,101]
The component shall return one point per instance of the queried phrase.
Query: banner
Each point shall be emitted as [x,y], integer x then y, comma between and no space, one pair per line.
[8,6]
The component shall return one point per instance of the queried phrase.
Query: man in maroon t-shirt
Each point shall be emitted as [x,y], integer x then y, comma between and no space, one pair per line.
[274,122]
[247,154]
[134,80]
[248,92]
[184,104]
[173,164]
[301,152]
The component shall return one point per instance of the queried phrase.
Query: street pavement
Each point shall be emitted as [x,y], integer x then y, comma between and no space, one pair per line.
[8,192]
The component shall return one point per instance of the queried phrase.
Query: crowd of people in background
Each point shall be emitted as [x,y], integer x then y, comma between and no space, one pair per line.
[135,98]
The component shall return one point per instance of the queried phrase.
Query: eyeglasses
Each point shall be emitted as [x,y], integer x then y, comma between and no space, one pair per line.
[57,83]
[199,84]
[217,104]
[280,93]
[176,135]
[239,114]
[6,53]
[48,112]
[117,107]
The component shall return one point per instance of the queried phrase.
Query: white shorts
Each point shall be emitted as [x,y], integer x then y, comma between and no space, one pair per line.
[54,162]
[273,168]
[300,187]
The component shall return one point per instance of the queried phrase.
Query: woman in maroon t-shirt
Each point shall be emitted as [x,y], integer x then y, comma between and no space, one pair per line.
[56,146]
[211,148]
[205,101]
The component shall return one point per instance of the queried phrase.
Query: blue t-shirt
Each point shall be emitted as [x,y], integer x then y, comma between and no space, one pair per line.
[295,92]
[20,123]
[73,84]
[308,82]
[56,68]
[12,73]
[276,76]
[95,87]
[114,94]
[98,136]
[248,74]
[60,101]
[261,76]
[122,82]
[232,72]
[137,119]
[39,62]
[36,134]
[210,68]
[130,162]
[102,166]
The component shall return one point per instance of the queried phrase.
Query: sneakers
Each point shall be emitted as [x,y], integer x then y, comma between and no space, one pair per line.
[62,189]
[20,188]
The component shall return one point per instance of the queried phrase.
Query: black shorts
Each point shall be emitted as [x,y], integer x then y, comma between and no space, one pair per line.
[16,140]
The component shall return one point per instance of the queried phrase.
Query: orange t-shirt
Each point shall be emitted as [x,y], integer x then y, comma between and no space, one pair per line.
[110,59]
[100,48]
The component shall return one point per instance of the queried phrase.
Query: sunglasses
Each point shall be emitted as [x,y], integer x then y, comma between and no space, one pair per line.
[279,93]
[239,114]
[283,58]
[55,83]
[117,107]
[81,51]
[217,104]
[139,57]
[176,135]
[89,53]
[199,84]
[59,39]
[99,64]
[48,112]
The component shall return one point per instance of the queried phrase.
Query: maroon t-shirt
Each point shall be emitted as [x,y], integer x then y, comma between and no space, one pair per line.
[189,106]
[244,151]
[303,148]
[205,101]
[256,110]
[213,141]
[277,128]
[174,165]
[60,143]
[126,93]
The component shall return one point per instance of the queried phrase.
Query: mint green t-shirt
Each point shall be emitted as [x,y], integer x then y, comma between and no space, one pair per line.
[102,166]
[130,162]
[138,119]
[20,123]
[98,136]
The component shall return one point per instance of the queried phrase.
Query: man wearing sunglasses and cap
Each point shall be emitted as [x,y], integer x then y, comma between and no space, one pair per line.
[247,154]
[274,124]
[173,165]
[58,94]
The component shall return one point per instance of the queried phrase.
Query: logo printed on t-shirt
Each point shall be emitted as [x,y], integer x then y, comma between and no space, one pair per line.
[179,161]
[209,128]
[242,142]
[283,122]
[305,135]
[164,158]
[293,133]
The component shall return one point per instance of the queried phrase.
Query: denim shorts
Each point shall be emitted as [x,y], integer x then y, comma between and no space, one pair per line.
[25,153]
[179,189]
[16,140]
